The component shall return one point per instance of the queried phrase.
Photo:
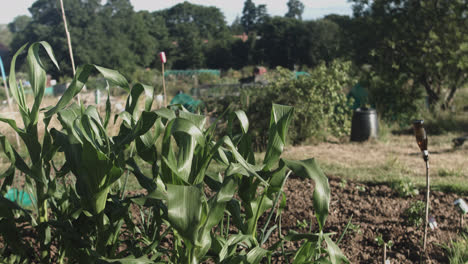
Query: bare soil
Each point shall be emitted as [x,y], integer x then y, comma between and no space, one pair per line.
[377,210]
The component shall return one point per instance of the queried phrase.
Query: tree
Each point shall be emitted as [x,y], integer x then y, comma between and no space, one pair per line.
[209,22]
[295,9]
[249,16]
[284,42]
[5,35]
[111,35]
[426,41]
[236,26]
[189,51]
[19,23]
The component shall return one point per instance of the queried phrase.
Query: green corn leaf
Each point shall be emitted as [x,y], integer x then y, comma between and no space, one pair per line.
[336,256]
[198,120]
[30,139]
[187,135]
[256,255]
[78,82]
[114,77]
[216,206]
[128,134]
[234,208]
[132,100]
[305,253]
[166,114]
[238,157]
[108,107]
[81,76]
[9,174]
[281,117]
[145,147]
[37,76]
[145,144]
[95,166]
[321,198]
[184,207]
[242,117]
[144,181]
[235,240]
[127,260]
[17,92]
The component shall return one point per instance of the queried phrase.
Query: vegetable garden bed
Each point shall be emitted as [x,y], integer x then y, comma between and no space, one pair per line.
[376,209]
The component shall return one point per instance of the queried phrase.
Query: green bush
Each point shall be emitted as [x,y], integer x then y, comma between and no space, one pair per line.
[319,99]
[397,99]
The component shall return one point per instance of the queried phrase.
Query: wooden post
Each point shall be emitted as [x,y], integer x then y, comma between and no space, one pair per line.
[164,86]
[385,253]
[162,57]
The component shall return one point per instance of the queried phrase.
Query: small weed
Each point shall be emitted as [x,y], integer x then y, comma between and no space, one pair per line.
[405,188]
[343,183]
[302,224]
[380,241]
[361,188]
[355,228]
[414,214]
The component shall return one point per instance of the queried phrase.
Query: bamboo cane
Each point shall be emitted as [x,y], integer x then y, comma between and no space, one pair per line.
[70,50]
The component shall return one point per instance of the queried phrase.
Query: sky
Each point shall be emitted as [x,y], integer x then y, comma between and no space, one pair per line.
[231,8]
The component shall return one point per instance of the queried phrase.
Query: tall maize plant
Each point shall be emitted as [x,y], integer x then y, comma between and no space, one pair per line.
[205,195]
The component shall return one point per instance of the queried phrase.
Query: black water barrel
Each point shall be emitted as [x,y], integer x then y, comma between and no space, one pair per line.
[364,124]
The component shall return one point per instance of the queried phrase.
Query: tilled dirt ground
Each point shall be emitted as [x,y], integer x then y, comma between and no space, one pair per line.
[375,210]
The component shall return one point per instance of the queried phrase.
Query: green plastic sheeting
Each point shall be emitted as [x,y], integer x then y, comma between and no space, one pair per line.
[187,101]
[21,197]
[301,73]
[360,96]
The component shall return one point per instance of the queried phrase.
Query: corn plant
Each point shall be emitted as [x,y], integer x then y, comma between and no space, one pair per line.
[38,165]
[206,195]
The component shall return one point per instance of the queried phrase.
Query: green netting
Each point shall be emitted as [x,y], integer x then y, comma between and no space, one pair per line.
[192,72]
[187,101]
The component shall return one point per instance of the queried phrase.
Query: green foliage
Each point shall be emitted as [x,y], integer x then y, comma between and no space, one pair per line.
[457,250]
[321,106]
[93,220]
[319,99]
[405,188]
[420,41]
[295,9]
[5,36]
[252,15]
[397,99]
[381,242]
[414,214]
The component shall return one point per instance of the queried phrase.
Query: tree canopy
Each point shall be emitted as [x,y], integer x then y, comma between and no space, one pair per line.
[295,9]
[426,41]
[411,45]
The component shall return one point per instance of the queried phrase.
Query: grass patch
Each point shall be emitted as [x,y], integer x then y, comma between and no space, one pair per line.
[458,250]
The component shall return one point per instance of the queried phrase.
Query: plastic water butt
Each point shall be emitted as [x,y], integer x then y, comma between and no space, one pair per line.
[364,124]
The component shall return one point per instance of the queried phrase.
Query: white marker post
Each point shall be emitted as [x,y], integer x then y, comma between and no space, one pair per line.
[162,57]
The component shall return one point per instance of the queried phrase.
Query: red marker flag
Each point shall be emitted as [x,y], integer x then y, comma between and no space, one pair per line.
[162,57]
